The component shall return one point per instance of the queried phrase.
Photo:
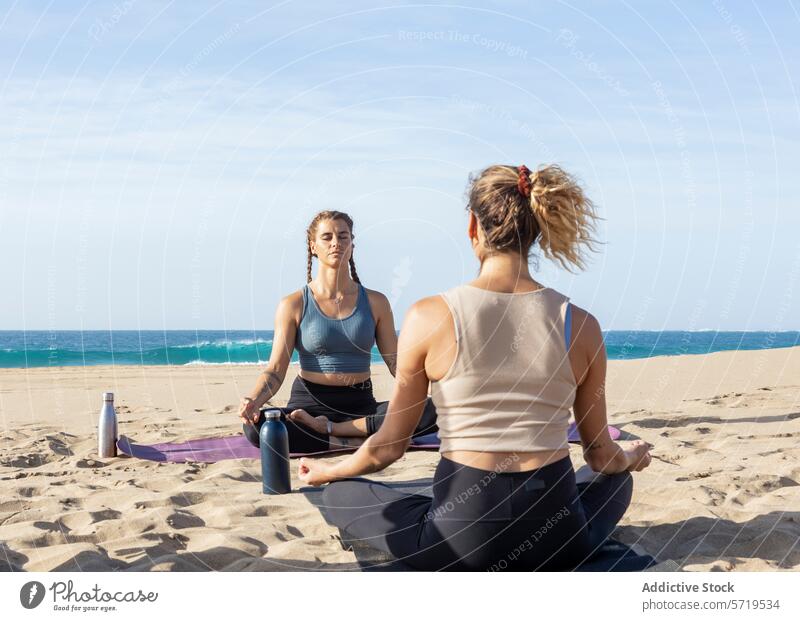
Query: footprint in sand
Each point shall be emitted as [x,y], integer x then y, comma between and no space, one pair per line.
[104,515]
[89,463]
[276,512]
[12,506]
[187,499]
[32,460]
[154,503]
[71,503]
[79,520]
[171,541]
[28,492]
[51,527]
[714,497]
[185,519]
[58,446]
[754,487]
[262,511]
[697,475]
[11,560]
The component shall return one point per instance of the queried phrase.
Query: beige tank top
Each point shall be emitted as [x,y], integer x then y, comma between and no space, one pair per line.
[511,386]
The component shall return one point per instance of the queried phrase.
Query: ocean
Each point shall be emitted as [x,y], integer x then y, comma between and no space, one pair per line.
[34,348]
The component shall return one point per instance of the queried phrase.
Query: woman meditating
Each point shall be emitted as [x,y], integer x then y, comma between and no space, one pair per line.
[333,322]
[506,358]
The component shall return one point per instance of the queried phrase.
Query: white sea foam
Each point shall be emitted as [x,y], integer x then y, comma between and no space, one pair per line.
[216,364]
[226,344]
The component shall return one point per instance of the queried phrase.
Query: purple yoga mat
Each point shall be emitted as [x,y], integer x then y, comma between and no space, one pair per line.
[572,433]
[211,450]
[207,450]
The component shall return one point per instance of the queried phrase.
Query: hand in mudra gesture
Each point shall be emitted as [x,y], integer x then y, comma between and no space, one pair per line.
[248,411]
[638,453]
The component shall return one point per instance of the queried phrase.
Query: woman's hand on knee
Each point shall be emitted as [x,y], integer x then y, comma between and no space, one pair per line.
[248,411]
[638,454]
[612,457]
[314,472]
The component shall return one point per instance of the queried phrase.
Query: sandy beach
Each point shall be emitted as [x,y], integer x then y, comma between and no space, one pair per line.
[722,492]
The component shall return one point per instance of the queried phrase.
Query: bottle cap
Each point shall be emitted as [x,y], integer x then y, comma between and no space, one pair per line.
[270,413]
[108,396]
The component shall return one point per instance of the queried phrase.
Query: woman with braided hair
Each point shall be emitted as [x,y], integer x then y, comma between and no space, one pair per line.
[332,322]
[505,358]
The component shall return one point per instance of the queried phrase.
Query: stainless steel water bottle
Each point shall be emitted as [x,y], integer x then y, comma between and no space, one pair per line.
[274,440]
[107,428]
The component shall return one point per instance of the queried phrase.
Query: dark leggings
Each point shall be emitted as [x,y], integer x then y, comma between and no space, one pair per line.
[338,404]
[483,520]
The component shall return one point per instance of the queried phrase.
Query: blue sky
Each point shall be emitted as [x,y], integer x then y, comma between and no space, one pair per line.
[160,161]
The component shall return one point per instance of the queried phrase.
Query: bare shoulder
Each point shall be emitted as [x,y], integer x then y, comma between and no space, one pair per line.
[585,328]
[432,309]
[377,300]
[429,333]
[290,306]
[293,300]
[381,308]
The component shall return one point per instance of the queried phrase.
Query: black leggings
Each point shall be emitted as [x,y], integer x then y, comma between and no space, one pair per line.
[338,404]
[483,520]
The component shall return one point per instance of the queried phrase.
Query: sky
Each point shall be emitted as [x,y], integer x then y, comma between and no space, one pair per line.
[160,161]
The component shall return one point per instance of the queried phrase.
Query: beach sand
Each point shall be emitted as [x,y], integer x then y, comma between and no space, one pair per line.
[722,492]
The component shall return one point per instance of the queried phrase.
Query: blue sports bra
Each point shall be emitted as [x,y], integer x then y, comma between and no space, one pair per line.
[329,345]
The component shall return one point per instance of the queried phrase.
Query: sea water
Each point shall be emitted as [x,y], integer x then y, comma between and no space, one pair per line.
[33,348]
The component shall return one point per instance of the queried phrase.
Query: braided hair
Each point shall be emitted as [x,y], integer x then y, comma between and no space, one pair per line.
[312,231]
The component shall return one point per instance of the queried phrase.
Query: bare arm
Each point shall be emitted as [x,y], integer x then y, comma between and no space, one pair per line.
[385,336]
[271,378]
[588,355]
[389,443]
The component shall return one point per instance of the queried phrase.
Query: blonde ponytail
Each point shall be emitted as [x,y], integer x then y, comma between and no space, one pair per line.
[517,207]
[566,216]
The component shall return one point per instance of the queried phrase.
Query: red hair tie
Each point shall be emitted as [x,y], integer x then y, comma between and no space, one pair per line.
[524,181]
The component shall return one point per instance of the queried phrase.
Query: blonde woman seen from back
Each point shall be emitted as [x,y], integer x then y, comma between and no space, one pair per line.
[505,358]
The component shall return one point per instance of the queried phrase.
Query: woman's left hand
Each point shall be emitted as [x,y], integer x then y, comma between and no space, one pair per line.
[314,472]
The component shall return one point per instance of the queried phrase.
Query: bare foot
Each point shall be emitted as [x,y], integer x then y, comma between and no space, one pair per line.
[317,423]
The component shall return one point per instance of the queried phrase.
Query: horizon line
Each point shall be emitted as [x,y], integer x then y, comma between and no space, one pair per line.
[698,330]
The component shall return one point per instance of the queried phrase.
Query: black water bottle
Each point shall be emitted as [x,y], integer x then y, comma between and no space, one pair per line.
[274,440]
